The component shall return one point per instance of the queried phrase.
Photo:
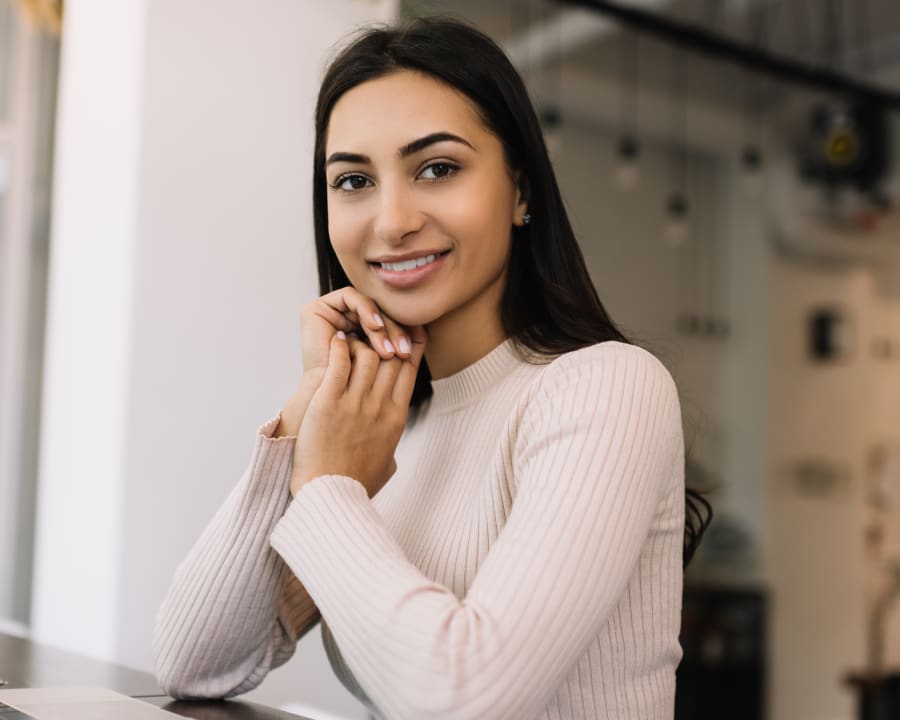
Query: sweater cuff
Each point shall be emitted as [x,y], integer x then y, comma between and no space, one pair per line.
[270,465]
[332,523]
[319,500]
[267,428]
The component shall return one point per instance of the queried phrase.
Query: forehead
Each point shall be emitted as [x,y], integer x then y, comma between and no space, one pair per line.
[392,110]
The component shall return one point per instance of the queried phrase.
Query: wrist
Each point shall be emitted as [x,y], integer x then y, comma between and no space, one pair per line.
[295,408]
[297,483]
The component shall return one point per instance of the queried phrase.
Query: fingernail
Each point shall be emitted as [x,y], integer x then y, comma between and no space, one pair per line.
[378,321]
[404,345]
[388,346]
[341,336]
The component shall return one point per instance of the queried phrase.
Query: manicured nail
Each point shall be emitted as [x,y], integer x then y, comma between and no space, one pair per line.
[341,336]
[378,321]
[388,346]
[404,345]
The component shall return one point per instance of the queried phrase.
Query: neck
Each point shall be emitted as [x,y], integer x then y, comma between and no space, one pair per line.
[466,335]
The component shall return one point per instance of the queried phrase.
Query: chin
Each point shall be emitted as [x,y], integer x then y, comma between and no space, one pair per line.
[409,312]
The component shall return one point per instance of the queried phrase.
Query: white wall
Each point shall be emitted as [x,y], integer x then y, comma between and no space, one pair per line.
[89,328]
[182,252]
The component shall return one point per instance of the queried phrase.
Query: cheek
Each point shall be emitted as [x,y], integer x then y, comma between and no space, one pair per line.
[486,213]
[346,233]
[489,226]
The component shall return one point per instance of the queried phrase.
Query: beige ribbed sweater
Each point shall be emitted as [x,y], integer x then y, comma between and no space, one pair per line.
[523,562]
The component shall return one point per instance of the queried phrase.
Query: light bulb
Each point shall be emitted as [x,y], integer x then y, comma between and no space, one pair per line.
[751,160]
[551,121]
[676,230]
[553,140]
[628,174]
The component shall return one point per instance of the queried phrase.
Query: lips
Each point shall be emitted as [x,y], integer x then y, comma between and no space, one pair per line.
[405,258]
[410,271]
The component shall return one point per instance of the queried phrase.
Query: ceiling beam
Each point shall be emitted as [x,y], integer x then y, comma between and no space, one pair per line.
[749,57]
[563,33]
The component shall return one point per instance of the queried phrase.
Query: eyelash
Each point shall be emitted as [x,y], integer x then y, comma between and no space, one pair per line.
[341,179]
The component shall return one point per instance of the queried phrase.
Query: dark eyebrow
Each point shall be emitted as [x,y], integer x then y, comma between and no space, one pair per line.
[422,143]
[347,157]
[407,150]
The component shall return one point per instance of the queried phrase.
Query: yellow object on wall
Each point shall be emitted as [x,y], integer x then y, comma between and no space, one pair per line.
[46,14]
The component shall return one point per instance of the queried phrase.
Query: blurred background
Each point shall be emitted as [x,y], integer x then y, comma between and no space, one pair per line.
[731,169]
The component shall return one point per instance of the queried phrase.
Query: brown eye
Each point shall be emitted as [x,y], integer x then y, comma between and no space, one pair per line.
[438,171]
[351,183]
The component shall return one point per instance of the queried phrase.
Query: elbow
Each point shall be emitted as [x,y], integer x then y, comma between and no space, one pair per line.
[184,677]
[193,686]
[179,682]
[187,668]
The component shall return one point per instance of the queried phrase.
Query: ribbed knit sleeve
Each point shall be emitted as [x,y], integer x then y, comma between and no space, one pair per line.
[234,610]
[597,449]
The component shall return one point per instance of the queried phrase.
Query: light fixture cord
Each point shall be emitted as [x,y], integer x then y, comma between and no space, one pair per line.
[630,81]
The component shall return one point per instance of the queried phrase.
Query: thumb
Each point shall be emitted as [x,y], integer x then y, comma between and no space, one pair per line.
[406,379]
[337,373]
[417,336]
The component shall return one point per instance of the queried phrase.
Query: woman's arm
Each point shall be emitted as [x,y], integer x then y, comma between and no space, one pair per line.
[599,446]
[234,610]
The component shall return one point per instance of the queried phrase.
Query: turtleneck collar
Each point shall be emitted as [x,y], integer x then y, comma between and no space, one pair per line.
[474,381]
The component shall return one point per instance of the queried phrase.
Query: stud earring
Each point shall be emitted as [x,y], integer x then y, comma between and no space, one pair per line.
[526,218]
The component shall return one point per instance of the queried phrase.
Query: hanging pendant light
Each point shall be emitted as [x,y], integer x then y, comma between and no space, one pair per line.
[552,115]
[628,172]
[551,122]
[677,226]
[752,157]
[676,230]
[752,168]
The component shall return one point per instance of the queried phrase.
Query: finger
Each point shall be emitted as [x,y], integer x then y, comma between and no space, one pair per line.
[353,304]
[398,336]
[386,378]
[406,378]
[338,320]
[364,364]
[334,382]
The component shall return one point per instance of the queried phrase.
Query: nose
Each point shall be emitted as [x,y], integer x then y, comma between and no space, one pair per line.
[398,213]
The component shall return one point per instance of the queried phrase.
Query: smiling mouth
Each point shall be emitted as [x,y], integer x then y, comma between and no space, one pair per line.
[412,264]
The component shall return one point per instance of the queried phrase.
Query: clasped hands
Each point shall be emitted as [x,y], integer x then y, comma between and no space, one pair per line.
[353,400]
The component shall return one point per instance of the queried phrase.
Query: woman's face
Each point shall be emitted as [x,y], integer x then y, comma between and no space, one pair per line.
[421,203]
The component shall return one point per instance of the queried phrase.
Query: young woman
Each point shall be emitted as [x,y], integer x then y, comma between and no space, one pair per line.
[479,485]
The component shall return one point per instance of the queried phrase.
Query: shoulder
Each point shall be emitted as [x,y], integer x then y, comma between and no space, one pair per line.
[616,381]
[607,364]
[607,396]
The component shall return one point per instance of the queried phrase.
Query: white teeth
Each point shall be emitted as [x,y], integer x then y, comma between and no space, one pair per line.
[409,264]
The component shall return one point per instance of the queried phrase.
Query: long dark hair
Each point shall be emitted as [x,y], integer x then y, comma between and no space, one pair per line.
[549,304]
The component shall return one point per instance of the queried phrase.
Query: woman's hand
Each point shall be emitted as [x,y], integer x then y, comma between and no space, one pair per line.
[346,310]
[357,414]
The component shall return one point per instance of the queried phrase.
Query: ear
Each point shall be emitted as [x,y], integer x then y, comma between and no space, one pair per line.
[521,201]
